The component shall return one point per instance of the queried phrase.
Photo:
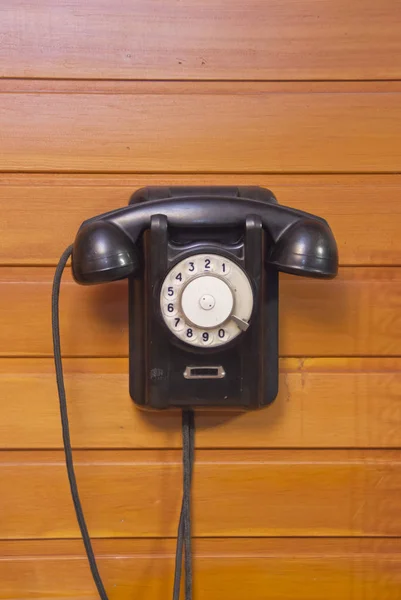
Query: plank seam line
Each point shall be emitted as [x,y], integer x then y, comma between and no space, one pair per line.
[196,173]
[106,174]
[386,357]
[208,537]
[175,449]
[199,80]
[287,356]
[13,541]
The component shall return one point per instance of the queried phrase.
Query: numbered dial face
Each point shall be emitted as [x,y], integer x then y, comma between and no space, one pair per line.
[206,300]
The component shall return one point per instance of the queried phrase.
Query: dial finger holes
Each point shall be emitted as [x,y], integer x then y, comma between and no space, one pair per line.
[178,277]
[204,297]
[191,334]
[208,264]
[169,308]
[169,292]
[178,324]
[206,338]
[224,267]
[191,267]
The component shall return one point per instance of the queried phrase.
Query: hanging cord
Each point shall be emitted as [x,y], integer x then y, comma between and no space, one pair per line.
[188,434]
[184,527]
[65,425]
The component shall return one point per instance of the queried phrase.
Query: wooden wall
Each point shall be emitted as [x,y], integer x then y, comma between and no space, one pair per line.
[100,97]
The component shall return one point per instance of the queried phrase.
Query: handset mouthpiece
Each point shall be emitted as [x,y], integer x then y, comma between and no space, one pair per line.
[102,253]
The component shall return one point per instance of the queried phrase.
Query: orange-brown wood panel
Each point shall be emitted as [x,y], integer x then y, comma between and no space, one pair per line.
[321,403]
[201,39]
[136,493]
[100,98]
[286,569]
[201,128]
[364,211]
[356,314]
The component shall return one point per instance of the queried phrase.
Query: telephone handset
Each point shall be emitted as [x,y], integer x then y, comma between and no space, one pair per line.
[202,266]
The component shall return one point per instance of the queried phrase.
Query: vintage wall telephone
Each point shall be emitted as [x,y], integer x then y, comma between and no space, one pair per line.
[202,265]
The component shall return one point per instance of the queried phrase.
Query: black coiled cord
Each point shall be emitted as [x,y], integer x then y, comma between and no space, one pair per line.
[188,443]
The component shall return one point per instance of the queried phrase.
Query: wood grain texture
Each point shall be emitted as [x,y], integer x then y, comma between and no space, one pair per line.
[295,569]
[364,211]
[321,403]
[299,501]
[137,493]
[358,311]
[200,39]
[197,128]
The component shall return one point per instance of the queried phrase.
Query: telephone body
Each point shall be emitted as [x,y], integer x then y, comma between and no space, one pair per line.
[202,265]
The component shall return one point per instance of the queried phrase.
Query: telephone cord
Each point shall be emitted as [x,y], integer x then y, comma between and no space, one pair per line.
[188,443]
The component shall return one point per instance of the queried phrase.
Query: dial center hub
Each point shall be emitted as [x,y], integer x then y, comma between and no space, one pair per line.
[207,301]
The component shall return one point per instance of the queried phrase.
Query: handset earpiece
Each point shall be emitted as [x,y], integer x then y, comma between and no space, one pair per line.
[102,253]
[306,248]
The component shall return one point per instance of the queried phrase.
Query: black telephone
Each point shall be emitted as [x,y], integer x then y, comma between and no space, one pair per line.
[202,266]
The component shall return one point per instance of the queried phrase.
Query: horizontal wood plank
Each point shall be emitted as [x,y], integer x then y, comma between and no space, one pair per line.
[199,129]
[295,569]
[41,214]
[359,311]
[200,39]
[137,493]
[130,87]
[321,403]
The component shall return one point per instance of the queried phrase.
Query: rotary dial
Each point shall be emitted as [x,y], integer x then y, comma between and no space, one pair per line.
[206,300]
